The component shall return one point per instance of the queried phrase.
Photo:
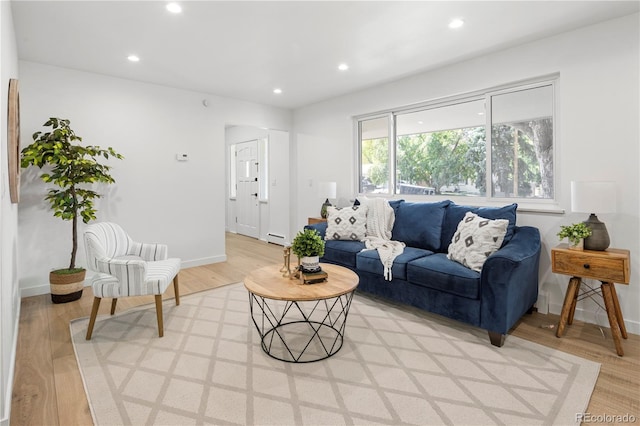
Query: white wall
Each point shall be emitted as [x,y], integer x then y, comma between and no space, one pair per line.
[597,136]
[279,187]
[155,198]
[9,290]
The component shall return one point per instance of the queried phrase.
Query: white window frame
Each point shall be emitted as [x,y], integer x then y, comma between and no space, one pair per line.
[487,94]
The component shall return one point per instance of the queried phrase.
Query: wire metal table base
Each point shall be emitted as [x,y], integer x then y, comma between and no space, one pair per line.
[300,331]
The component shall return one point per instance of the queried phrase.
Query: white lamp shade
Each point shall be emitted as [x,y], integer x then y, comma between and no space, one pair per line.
[327,189]
[593,197]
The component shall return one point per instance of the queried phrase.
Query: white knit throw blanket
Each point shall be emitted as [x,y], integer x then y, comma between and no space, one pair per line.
[380,219]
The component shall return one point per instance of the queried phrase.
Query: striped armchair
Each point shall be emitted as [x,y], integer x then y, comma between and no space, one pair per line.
[127,268]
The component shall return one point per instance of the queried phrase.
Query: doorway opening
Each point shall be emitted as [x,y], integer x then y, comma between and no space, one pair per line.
[258,183]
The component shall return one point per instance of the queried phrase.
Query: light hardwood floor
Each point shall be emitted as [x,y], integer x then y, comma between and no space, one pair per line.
[48,388]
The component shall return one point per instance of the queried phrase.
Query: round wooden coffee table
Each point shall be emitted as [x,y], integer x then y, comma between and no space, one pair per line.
[300,322]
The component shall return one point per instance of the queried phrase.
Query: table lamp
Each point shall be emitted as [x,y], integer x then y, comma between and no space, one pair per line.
[326,190]
[592,198]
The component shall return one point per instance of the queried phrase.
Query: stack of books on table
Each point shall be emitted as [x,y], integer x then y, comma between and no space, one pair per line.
[313,277]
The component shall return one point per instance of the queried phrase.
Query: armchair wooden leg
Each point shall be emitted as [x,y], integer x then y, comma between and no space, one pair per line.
[113,305]
[159,315]
[92,319]
[176,289]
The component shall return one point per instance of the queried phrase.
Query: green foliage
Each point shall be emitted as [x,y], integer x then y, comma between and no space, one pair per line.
[441,158]
[475,159]
[74,168]
[430,159]
[521,159]
[574,232]
[510,143]
[375,152]
[308,242]
[412,159]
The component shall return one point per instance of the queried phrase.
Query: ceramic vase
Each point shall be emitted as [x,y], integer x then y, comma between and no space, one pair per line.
[310,264]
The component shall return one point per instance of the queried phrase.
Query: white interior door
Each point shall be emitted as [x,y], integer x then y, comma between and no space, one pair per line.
[247,189]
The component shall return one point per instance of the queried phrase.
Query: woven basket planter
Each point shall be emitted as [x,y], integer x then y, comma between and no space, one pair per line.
[66,287]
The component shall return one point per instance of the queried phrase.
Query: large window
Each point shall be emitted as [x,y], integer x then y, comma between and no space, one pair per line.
[497,144]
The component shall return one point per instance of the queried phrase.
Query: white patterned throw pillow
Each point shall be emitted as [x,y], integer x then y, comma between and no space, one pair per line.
[347,223]
[476,239]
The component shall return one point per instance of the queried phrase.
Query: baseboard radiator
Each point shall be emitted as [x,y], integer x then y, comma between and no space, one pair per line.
[276,239]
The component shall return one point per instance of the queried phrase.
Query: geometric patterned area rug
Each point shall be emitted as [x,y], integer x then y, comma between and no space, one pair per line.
[397,365]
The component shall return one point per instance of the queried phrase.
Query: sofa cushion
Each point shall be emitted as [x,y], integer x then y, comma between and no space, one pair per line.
[342,252]
[395,205]
[439,273]
[420,224]
[369,261]
[455,213]
[320,228]
[348,223]
[476,239]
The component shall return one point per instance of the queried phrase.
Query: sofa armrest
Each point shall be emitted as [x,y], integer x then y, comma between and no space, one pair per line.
[509,281]
[524,244]
[321,227]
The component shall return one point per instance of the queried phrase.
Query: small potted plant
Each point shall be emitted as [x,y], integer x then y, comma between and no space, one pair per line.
[73,169]
[575,233]
[308,245]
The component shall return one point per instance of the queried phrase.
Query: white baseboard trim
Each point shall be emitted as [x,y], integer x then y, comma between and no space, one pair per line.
[36,290]
[204,261]
[6,415]
[598,318]
[45,289]
[542,304]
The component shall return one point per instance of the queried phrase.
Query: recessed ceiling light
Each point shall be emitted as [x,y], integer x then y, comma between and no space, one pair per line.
[421,122]
[456,23]
[133,58]
[343,67]
[277,91]
[481,113]
[174,8]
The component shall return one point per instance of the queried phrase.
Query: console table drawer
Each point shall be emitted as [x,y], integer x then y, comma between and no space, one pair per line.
[589,266]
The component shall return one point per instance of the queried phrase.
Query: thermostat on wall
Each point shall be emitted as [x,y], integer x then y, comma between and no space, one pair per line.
[182,157]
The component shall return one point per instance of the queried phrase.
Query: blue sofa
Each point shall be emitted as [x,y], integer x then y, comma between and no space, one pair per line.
[493,299]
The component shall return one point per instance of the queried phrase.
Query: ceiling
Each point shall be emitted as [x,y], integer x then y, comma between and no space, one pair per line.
[245,49]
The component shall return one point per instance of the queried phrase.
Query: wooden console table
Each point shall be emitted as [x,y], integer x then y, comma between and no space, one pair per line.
[609,266]
[314,220]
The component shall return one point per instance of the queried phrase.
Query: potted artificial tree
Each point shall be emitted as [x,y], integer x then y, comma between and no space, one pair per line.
[74,168]
[308,245]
